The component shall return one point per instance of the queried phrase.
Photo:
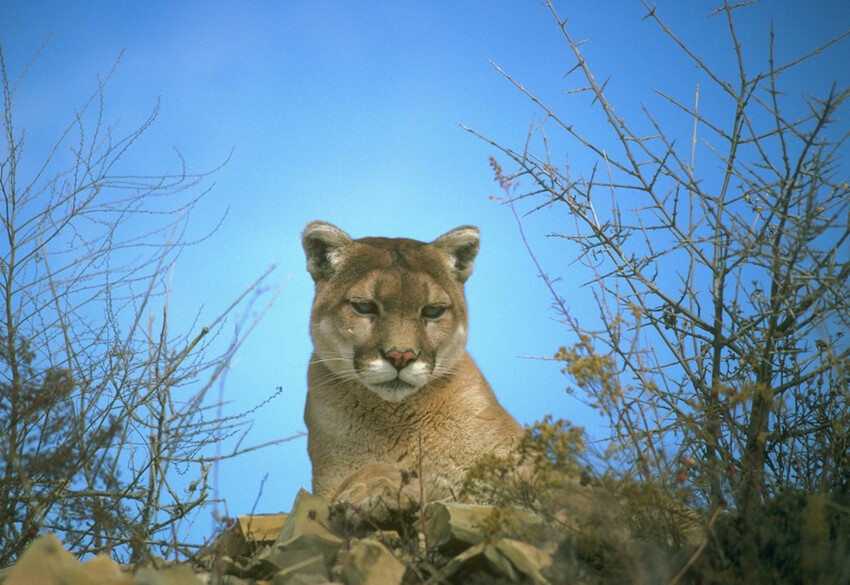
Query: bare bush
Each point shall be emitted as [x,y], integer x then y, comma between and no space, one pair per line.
[105,423]
[723,287]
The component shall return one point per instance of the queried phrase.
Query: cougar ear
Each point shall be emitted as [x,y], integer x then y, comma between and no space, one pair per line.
[323,245]
[461,247]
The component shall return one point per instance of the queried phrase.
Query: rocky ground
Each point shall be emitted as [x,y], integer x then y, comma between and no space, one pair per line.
[310,546]
[796,539]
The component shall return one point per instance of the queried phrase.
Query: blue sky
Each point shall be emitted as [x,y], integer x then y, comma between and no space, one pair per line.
[349,112]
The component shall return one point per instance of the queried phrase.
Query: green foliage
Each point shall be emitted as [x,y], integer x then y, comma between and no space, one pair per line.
[553,445]
[605,528]
[548,450]
[593,373]
[793,538]
[609,529]
[45,450]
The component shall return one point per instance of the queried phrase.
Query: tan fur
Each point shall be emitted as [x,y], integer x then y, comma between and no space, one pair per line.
[380,300]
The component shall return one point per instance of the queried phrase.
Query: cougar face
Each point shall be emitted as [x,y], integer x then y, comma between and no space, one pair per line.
[389,313]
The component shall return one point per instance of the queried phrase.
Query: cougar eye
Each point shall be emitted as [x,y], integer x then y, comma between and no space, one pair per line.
[433,311]
[367,308]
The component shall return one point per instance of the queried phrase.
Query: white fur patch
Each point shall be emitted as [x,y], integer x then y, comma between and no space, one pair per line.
[393,385]
[449,354]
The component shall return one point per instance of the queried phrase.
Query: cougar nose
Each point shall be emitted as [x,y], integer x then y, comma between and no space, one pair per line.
[399,359]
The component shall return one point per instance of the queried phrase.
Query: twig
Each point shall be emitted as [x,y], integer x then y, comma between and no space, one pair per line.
[698,552]
[422,529]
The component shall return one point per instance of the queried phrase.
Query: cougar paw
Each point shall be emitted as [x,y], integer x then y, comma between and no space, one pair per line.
[377,494]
